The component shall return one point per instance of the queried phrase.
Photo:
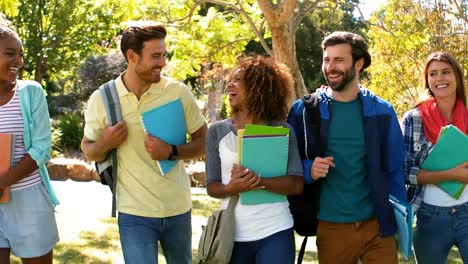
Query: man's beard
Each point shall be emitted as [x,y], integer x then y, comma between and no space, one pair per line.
[347,76]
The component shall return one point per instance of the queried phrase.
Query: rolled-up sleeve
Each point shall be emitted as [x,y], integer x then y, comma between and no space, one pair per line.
[39,126]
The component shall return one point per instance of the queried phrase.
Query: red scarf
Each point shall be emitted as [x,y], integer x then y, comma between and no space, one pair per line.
[433,120]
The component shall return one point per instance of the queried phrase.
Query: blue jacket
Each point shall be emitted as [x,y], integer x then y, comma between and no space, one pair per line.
[37,131]
[385,149]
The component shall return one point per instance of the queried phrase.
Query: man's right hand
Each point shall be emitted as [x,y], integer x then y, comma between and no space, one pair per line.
[320,167]
[113,136]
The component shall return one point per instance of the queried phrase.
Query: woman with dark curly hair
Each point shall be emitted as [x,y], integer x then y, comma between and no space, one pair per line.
[259,90]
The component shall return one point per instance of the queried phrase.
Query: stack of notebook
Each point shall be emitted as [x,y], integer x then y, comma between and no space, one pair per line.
[450,150]
[264,150]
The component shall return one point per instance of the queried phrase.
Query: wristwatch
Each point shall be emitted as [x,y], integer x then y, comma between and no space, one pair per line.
[173,154]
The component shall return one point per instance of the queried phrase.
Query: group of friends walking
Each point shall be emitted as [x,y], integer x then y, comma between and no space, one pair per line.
[368,156]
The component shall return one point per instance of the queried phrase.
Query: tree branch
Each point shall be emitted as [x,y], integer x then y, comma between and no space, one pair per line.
[187,17]
[249,20]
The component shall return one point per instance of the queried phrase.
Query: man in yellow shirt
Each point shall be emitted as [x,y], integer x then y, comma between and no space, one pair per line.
[152,207]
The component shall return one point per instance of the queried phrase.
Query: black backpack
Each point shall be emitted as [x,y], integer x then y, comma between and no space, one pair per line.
[107,169]
[304,207]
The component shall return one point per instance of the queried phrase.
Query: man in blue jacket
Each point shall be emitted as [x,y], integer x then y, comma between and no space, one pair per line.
[363,161]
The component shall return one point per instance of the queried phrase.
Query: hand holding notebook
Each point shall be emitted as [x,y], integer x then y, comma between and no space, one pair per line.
[264,150]
[450,150]
[167,123]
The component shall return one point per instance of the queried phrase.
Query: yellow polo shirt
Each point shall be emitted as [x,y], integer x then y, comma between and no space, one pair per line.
[141,189]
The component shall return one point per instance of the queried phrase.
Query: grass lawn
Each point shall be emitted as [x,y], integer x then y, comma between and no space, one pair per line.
[101,245]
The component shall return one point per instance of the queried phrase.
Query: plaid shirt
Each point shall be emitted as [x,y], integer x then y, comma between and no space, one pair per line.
[417,148]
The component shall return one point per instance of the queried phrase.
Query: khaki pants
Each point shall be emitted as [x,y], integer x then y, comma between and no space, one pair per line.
[339,243]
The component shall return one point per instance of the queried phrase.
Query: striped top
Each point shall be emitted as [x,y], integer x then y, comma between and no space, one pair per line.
[11,122]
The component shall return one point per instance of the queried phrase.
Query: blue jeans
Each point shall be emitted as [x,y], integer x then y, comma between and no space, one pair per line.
[437,230]
[139,237]
[277,248]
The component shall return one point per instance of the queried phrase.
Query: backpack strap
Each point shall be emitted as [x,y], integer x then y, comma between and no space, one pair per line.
[312,119]
[312,112]
[114,115]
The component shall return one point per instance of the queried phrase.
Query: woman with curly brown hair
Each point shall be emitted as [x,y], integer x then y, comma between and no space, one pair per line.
[259,90]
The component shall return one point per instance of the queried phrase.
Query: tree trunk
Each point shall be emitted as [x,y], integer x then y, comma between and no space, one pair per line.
[212,104]
[39,71]
[284,50]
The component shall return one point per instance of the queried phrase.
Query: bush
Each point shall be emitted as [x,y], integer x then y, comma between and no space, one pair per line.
[57,150]
[95,71]
[70,126]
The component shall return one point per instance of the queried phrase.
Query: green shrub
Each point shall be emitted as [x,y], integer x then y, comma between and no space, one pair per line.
[71,127]
[57,150]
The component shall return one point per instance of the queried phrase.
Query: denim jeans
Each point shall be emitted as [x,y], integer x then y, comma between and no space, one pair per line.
[277,248]
[437,230]
[139,237]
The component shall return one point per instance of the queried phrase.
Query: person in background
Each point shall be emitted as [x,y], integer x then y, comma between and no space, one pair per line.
[258,91]
[363,161]
[442,221]
[152,207]
[27,221]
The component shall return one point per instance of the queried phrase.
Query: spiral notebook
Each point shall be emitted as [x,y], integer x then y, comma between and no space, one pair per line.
[403,213]
[166,122]
[264,150]
[7,141]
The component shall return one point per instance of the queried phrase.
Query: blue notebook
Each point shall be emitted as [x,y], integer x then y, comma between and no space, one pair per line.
[267,156]
[166,122]
[404,219]
[450,150]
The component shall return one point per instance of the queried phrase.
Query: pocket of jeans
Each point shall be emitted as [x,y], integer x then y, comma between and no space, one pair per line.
[423,216]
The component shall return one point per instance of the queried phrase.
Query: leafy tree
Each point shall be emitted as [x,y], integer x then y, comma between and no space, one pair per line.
[311,32]
[57,35]
[9,7]
[279,20]
[402,34]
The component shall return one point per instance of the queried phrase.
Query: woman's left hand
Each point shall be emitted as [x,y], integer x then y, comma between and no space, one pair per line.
[460,172]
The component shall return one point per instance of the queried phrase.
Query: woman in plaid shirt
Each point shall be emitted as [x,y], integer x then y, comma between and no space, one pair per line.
[442,221]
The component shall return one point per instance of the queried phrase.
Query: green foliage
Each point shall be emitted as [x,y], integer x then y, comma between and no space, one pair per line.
[224,112]
[57,35]
[402,34]
[9,7]
[57,150]
[71,126]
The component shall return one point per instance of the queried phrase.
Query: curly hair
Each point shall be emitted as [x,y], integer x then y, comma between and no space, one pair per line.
[268,85]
